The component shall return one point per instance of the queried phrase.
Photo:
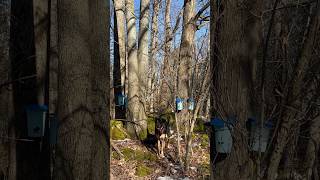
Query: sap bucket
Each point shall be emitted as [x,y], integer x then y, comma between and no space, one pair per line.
[179,104]
[120,99]
[190,104]
[223,138]
[36,117]
[259,137]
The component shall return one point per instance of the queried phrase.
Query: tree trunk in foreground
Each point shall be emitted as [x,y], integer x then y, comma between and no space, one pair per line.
[78,148]
[100,59]
[7,146]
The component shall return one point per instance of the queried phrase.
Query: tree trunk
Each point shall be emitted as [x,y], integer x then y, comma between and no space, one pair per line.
[7,145]
[77,133]
[100,59]
[165,75]
[40,22]
[120,55]
[234,50]
[133,71]
[185,60]
[53,53]
[143,58]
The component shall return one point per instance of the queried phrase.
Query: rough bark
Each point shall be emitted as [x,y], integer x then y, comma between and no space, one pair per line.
[76,133]
[100,59]
[143,57]
[40,21]
[165,75]
[53,53]
[233,53]
[185,59]
[7,145]
[133,71]
[293,96]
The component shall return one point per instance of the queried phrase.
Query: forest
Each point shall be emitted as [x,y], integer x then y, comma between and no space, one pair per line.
[159,89]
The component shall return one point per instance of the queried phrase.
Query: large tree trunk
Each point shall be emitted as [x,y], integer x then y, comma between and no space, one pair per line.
[143,54]
[165,75]
[100,58]
[133,71]
[120,54]
[76,133]
[234,50]
[7,146]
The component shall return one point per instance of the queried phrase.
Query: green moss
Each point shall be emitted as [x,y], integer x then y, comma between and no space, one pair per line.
[151,125]
[138,155]
[128,153]
[204,169]
[143,134]
[115,155]
[142,170]
[117,130]
[204,140]
[199,126]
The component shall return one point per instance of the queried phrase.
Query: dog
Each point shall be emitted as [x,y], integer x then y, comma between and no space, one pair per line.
[162,131]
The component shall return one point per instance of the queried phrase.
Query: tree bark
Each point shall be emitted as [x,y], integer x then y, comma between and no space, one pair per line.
[7,144]
[185,60]
[76,133]
[143,57]
[165,74]
[133,71]
[234,50]
[40,22]
[100,59]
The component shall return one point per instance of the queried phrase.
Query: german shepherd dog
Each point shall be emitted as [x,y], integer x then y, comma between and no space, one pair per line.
[161,133]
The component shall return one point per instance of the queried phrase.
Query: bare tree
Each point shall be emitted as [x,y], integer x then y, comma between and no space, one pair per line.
[133,70]
[165,89]
[143,57]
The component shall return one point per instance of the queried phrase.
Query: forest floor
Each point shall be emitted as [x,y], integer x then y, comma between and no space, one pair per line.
[139,161]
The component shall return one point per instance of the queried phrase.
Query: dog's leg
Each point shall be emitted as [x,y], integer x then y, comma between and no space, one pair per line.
[158,147]
[162,147]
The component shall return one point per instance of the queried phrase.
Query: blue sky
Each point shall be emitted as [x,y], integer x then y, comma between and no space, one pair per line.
[176,7]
